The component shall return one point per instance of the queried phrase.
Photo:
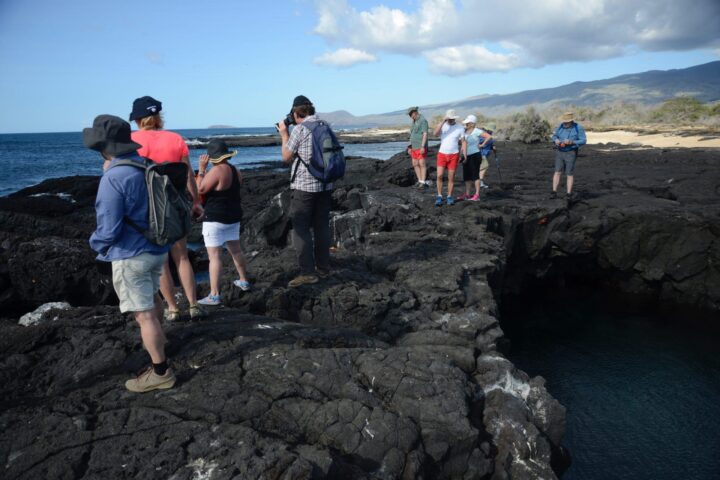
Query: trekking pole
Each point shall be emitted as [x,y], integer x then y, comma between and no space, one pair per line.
[497,165]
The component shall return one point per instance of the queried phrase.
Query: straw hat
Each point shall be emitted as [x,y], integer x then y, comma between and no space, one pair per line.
[451,115]
[567,117]
[218,151]
[490,126]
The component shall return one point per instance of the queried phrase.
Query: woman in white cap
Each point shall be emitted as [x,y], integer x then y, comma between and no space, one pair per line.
[473,157]
[221,224]
[451,135]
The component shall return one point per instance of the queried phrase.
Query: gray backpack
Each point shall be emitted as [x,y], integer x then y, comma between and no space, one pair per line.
[169,207]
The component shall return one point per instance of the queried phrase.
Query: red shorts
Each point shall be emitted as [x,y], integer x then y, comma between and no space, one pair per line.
[418,154]
[448,160]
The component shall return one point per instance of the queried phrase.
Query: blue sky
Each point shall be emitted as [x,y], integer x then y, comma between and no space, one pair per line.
[240,63]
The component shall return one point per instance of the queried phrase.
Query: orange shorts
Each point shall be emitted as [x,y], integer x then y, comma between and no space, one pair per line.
[448,160]
[418,154]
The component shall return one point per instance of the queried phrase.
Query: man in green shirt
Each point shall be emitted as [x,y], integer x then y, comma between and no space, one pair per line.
[418,146]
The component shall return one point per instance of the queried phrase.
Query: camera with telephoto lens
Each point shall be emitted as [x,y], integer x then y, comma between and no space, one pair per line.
[288,120]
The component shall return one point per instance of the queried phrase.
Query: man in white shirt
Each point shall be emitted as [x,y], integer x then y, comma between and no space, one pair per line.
[451,136]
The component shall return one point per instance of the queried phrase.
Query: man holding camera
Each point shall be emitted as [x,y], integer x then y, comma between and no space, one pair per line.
[311,198]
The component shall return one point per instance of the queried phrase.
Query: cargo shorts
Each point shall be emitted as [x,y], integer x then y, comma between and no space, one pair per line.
[565,161]
[136,281]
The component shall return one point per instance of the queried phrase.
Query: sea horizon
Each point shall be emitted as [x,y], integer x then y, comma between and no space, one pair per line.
[31,158]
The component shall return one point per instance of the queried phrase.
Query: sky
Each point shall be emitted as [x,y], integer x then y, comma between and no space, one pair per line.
[240,63]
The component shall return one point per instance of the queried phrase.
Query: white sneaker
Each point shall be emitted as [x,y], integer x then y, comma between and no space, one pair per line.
[483,185]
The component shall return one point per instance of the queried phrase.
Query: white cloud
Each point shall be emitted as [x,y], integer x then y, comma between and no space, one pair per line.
[459,36]
[469,58]
[344,57]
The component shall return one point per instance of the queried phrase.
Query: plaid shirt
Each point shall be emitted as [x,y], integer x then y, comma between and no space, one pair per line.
[300,143]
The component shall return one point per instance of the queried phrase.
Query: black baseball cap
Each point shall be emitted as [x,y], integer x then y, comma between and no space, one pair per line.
[301,100]
[145,107]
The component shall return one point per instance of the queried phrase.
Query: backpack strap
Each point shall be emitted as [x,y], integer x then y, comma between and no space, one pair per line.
[130,163]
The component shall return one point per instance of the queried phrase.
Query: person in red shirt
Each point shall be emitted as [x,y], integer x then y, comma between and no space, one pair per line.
[162,146]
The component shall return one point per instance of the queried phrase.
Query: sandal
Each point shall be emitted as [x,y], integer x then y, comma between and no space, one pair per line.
[172,315]
[196,312]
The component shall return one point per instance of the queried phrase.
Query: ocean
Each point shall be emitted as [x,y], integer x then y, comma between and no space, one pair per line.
[640,386]
[30,158]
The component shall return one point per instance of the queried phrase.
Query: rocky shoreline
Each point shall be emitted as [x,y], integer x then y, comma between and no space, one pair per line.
[349,137]
[392,367]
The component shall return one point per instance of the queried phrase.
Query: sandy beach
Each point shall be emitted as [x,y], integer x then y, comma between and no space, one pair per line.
[658,140]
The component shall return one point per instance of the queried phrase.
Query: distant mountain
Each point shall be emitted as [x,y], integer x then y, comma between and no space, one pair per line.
[649,88]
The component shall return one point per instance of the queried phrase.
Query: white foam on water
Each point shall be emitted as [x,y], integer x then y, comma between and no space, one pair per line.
[63,196]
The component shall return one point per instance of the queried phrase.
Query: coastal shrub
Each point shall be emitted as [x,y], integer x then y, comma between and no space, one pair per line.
[680,110]
[526,127]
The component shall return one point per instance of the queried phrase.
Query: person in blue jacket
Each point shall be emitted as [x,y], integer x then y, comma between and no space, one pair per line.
[136,262]
[568,138]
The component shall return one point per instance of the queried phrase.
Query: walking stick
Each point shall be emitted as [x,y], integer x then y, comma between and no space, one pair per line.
[497,165]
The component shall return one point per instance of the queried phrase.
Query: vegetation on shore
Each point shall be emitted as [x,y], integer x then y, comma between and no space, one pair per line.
[534,125]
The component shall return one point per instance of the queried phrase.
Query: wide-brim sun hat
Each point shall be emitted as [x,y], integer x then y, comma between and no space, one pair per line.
[567,117]
[145,107]
[470,119]
[490,126]
[412,109]
[110,135]
[451,115]
[218,151]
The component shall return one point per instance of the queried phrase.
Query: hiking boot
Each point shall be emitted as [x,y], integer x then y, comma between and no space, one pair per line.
[212,300]
[148,380]
[424,185]
[450,200]
[553,195]
[196,312]
[438,201]
[242,285]
[303,280]
[570,196]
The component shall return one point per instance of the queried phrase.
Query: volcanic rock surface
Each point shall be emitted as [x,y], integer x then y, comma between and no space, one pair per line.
[391,367]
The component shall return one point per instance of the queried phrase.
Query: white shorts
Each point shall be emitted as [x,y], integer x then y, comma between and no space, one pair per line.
[137,280]
[216,234]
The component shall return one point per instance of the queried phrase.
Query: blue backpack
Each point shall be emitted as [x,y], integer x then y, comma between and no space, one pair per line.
[327,163]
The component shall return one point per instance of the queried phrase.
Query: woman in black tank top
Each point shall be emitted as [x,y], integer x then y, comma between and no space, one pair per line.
[221,224]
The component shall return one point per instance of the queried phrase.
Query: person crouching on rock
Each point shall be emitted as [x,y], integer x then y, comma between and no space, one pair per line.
[221,223]
[162,146]
[450,138]
[474,138]
[311,198]
[136,262]
[418,147]
[568,138]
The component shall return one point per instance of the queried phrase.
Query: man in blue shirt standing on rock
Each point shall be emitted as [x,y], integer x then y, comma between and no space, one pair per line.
[136,262]
[568,138]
